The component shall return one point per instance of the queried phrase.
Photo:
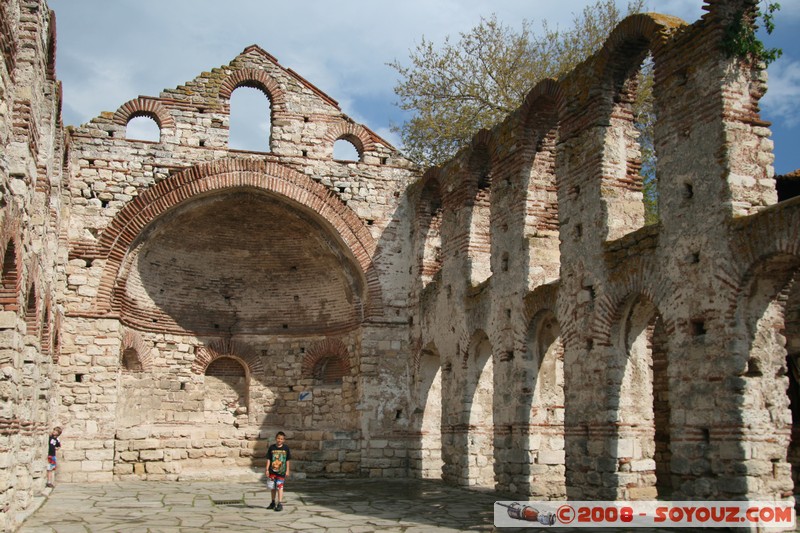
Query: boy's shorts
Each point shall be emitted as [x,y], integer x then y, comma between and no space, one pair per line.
[275,481]
[51,462]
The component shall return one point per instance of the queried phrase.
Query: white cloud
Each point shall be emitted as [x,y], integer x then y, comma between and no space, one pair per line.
[782,101]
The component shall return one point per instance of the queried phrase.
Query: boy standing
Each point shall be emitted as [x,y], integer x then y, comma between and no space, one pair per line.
[52,445]
[278,457]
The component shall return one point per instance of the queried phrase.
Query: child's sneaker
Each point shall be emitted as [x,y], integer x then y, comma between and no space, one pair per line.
[271,506]
[279,507]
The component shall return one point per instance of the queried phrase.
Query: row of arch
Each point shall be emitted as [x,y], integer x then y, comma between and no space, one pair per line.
[251,118]
[544,175]
[326,361]
[41,325]
[504,425]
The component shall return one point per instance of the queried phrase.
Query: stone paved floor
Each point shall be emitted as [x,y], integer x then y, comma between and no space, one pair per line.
[353,506]
[331,506]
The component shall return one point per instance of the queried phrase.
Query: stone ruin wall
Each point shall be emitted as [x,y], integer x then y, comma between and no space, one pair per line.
[159,422]
[603,358]
[505,321]
[30,217]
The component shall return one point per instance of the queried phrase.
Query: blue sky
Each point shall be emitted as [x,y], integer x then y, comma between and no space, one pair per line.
[112,51]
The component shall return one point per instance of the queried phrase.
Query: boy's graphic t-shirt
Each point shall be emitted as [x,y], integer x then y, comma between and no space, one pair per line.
[277,459]
[52,445]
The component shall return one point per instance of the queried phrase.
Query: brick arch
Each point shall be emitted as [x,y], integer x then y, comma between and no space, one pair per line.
[144,107]
[639,281]
[770,233]
[50,69]
[428,203]
[546,97]
[32,310]
[207,354]
[46,336]
[132,340]
[330,347]
[11,281]
[354,133]
[58,318]
[469,342]
[254,79]
[11,273]
[643,30]
[428,348]
[542,298]
[283,182]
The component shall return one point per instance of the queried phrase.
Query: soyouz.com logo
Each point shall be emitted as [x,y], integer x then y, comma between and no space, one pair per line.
[773,514]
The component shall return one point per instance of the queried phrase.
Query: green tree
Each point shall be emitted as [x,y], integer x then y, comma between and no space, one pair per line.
[456,89]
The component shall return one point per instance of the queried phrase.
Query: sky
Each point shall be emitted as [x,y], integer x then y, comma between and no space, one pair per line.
[109,52]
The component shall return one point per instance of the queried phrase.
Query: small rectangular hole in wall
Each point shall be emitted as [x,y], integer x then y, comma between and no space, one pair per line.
[305,153]
[384,160]
[695,258]
[706,435]
[370,222]
[302,349]
[698,327]
[589,344]
[688,191]
[590,290]
[202,143]
[183,385]
[508,313]
[341,189]
[285,326]
[578,231]
[399,414]
[305,119]
[78,378]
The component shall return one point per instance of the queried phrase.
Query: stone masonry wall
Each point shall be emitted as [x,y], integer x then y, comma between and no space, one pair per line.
[30,218]
[505,321]
[610,338]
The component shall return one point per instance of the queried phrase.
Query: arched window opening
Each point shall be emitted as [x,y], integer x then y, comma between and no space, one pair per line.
[429,391]
[644,120]
[130,361]
[31,312]
[46,341]
[329,370]
[345,150]
[480,233]
[770,310]
[9,287]
[480,390]
[250,120]
[643,403]
[630,192]
[143,128]
[543,408]
[541,194]
[429,230]
[226,387]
